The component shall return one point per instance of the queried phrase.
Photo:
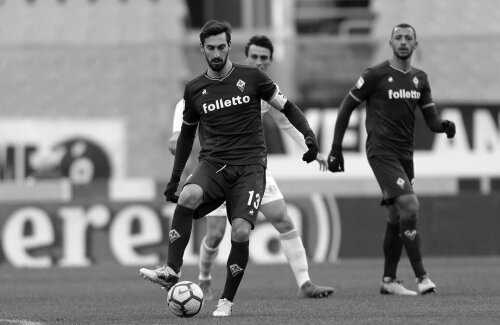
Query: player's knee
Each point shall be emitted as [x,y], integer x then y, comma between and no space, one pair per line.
[213,241]
[283,223]
[240,231]
[408,207]
[191,196]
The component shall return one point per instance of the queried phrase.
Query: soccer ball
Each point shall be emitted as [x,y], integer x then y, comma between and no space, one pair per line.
[185,299]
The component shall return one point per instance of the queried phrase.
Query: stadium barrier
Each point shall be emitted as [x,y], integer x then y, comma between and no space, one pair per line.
[90,228]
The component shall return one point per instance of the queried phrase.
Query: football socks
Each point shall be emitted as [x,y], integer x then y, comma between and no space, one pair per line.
[207,259]
[392,246]
[295,253]
[411,242]
[180,232]
[236,264]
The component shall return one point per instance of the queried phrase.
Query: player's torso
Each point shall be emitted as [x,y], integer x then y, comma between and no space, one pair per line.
[230,117]
[390,116]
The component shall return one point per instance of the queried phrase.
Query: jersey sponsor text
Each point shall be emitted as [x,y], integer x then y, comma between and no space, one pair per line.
[222,103]
[403,94]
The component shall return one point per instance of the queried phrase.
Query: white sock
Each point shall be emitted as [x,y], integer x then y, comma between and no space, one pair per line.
[295,253]
[207,260]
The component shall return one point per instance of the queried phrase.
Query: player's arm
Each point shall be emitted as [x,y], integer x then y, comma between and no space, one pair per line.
[435,123]
[336,158]
[284,124]
[183,148]
[176,126]
[298,120]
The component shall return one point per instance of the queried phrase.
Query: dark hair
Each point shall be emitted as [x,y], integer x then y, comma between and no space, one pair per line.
[215,27]
[260,40]
[404,25]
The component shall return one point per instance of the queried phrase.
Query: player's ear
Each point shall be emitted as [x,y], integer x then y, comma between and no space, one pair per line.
[201,47]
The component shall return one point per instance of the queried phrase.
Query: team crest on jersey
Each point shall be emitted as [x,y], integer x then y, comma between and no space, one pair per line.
[390,79]
[401,183]
[204,92]
[241,85]
[360,82]
[415,82]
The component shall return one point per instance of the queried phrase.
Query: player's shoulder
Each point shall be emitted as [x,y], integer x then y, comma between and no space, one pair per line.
[246,70]
[379,68]
[195,80]
[417,71]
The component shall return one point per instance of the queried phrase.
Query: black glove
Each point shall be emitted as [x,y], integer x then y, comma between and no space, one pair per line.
[169,192]
[449,128]
[312,144]
[336,159]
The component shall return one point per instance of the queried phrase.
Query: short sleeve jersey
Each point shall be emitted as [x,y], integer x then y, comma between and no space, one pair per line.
[228,111]
[391,96]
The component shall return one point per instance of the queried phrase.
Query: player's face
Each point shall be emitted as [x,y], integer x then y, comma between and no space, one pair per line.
[258,56]
[403,42]
[216,51]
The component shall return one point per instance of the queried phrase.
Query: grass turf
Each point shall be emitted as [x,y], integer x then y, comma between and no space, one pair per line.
[468,293]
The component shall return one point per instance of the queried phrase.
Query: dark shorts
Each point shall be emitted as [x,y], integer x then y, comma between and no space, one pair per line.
[394,176]
[242,187]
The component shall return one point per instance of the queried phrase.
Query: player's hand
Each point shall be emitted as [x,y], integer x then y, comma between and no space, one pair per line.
[312,153]
[169,192]
[323,164]
[449,128]
[336,159]
[172,142]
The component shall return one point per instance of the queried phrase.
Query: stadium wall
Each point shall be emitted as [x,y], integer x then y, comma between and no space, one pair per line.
[96,230]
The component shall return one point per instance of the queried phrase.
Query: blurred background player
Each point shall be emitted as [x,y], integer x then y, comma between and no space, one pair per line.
[259,52]
[392,91]
[225,101]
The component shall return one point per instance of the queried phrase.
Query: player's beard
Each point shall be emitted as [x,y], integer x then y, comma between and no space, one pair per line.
[218,65]
[403,56]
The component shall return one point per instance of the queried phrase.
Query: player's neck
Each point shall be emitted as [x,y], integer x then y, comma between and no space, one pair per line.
[403,65]
[222,73]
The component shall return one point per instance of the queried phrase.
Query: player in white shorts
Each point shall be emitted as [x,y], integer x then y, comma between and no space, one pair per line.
[259,52]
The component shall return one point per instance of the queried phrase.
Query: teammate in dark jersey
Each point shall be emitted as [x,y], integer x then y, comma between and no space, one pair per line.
[392,91]
[225,103]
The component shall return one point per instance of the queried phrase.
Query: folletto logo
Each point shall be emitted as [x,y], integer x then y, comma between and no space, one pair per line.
[403,94]
[225,103]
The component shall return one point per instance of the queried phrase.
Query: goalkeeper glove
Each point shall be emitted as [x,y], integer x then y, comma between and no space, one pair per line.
[449,128]
[336,159]
[312,144]
[169,192]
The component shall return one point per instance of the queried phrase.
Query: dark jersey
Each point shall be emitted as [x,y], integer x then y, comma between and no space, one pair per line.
[228,113]
[391,97]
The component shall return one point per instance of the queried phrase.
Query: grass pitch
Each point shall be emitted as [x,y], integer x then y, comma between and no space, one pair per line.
[468,293]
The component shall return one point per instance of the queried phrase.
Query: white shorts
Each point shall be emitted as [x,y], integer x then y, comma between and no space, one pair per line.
[272,193]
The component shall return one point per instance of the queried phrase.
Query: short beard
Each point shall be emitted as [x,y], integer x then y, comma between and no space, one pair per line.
[408,56]
[217,68]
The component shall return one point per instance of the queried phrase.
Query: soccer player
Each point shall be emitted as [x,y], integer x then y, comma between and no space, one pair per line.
[259,52]
[393,90]
[224,102]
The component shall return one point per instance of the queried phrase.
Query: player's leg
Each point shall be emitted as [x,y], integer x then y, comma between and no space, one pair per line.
[393,182]
[180,232]
[209,249]
[274,210]
[243,203]
[408,207]
[392,244]
[202,185]
[392,247]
